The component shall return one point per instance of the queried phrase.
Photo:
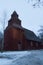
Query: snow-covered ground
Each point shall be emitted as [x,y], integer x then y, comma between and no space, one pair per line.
[34,57]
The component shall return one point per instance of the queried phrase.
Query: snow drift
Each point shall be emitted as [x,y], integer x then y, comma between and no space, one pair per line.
[34,57]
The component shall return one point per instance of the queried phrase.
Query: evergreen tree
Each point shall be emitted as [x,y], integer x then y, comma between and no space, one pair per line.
[41,33]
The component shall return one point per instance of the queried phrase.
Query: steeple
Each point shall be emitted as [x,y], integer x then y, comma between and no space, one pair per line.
[14,15]
[14,19]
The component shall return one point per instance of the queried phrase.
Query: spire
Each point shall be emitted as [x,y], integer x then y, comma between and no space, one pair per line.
[14,15]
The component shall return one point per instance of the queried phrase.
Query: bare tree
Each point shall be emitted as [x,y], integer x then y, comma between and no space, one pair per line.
[3,25]
[36,3]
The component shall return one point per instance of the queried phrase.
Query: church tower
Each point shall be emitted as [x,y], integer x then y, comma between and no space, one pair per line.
[14,33]
[14,19]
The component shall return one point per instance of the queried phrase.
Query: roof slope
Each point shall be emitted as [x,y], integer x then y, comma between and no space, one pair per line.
[30,35]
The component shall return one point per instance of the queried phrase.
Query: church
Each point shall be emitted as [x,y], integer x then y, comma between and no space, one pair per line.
[17,37]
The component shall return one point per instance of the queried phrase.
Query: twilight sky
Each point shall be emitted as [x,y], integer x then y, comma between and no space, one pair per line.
[31,17]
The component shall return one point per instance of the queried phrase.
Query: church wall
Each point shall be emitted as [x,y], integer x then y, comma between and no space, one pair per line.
[13,38]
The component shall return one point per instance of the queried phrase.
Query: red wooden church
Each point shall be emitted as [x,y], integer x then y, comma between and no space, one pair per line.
[18,38]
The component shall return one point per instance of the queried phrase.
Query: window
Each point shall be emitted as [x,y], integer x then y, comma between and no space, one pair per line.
[19,46]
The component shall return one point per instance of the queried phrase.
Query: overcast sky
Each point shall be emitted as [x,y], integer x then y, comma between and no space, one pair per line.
[31,17]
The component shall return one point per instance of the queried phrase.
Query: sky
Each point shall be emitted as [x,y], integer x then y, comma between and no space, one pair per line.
[32,18]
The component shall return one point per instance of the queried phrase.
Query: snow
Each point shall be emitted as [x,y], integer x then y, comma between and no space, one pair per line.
[33,57]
